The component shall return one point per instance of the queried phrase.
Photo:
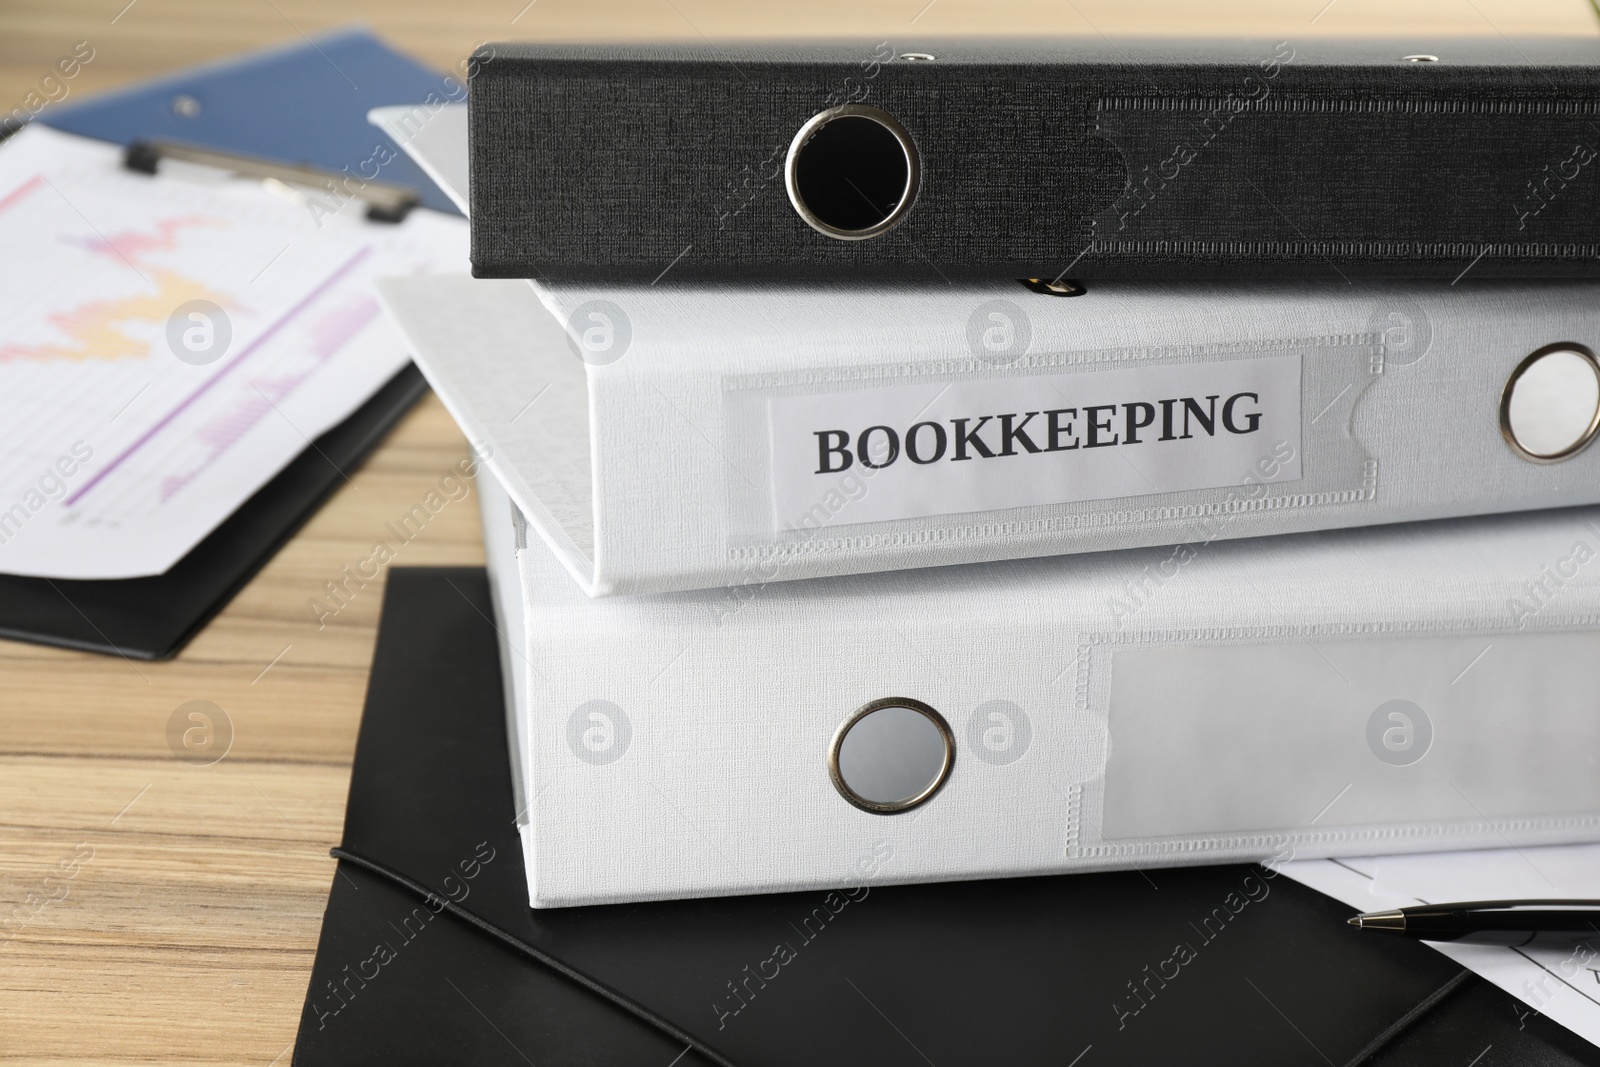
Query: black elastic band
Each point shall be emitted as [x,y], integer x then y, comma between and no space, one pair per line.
[1371,1049]
[565,970]
[1406,1021]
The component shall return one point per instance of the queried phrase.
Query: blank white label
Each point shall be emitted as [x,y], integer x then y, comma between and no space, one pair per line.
[1386,731]
[909,451]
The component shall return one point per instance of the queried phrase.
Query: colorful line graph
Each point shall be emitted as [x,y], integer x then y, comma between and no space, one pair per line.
[324,336]
[249,350]
[21,192]
[99,329]
[106,281]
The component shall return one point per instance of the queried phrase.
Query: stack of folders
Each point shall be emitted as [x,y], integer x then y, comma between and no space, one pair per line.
[844,574]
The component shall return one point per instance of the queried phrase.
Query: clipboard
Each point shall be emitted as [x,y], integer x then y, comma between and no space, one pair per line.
[303,103]
[294,104]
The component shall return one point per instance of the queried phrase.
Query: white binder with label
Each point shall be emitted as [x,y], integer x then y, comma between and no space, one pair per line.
[745,436]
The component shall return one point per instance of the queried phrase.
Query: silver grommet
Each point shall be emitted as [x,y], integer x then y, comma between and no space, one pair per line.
[1550,407]
[794,179]
[891,755]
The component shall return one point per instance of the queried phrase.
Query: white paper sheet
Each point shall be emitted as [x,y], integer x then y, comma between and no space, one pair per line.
[1560,982]
[134,420]
[436,138]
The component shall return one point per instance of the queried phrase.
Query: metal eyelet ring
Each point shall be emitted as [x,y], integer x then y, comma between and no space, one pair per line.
[815,125]
[1579,440]
[925,728]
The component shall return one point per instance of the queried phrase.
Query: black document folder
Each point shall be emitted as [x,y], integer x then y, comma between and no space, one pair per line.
[430,954]
[154,617]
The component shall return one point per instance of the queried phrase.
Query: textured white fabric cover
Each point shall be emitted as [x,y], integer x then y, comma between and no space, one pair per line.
[728,700]
[659,481]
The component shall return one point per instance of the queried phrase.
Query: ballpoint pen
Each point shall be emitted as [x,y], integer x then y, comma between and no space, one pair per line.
[1491,922]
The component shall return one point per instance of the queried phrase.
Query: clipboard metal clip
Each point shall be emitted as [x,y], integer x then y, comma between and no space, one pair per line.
[386,202]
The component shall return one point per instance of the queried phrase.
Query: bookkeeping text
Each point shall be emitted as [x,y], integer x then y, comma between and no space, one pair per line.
[1057,430]
[1138,426]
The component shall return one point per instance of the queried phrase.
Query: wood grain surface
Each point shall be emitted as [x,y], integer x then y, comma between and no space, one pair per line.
[156,911]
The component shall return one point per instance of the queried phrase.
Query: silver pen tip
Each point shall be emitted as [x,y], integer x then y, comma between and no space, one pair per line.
[1394,921]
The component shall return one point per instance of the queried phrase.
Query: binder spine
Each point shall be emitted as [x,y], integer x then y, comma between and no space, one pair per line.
[1036,159]
[884,436]
[1325,696]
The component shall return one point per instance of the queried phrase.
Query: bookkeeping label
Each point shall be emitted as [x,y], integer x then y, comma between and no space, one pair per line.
[910,451]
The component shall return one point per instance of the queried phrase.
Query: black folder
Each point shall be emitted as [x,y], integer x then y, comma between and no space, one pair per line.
[430,954]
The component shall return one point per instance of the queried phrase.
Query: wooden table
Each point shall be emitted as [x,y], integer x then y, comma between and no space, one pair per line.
[166,912]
